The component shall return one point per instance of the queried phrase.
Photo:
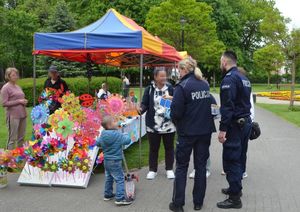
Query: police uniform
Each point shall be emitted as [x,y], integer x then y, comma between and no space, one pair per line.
[236,121]
[191,113]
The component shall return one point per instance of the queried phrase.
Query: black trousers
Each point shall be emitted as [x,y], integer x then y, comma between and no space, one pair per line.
[200,147]
[154,143]
[234,155]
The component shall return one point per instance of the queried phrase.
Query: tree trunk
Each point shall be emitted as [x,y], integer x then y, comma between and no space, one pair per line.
[293,83]
[269,77]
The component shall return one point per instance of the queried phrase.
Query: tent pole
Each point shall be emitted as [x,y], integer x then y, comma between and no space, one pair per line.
[34,80]
[141,90]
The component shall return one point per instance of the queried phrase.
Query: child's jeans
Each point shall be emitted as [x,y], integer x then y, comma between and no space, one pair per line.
[114,171]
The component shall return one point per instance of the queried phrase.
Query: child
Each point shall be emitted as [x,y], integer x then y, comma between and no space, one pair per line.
[112,141]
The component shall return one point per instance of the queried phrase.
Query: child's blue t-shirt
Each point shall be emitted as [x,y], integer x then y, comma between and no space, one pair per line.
[112,142]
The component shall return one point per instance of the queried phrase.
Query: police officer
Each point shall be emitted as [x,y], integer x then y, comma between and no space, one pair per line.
[191,113]
[235,126]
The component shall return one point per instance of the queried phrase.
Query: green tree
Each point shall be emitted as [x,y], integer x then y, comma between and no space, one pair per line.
[200,39]
[61,19]
[292,49]
[16,33]
[269,59]
[40,8]
[88,11]
[256,22]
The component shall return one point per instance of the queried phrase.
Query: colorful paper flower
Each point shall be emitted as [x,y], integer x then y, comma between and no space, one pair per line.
[53,167]
[63,164]
[58,116]
[65,128]
[39,114]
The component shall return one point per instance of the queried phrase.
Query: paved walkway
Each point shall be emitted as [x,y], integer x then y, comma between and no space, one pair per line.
[273,184]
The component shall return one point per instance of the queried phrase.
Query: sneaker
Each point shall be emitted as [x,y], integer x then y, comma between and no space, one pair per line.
[151,175]
[123,202]
[170,174]
[207,173]
[107,198]
[245,175]
[192,174]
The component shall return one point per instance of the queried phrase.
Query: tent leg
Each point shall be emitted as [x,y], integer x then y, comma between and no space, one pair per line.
[141,91]
[34,80]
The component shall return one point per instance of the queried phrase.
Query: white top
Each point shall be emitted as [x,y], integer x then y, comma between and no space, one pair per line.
[252,115]
[101,92]
[126,81]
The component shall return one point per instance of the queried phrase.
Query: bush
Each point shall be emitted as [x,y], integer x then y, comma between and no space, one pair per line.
[76,85]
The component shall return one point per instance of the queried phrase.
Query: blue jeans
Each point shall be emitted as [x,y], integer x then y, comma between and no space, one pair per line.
[185,145]
[114,172]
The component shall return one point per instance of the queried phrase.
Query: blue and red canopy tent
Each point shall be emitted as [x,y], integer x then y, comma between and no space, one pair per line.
[113,40]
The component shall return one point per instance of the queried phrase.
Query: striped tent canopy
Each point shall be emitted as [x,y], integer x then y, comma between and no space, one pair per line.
[113,40]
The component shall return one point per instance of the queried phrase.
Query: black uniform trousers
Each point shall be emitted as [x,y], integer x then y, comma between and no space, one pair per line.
[200,147]
[234,154]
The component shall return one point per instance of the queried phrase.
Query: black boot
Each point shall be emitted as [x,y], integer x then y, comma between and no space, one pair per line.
[197,207]
[234,201]
[175,208]
[226,192]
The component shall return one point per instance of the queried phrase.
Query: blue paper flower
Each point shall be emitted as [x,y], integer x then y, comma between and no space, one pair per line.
[39,114]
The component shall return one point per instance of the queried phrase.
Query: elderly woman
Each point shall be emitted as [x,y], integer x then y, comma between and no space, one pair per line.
[159,126]
[13,99]
[191,113]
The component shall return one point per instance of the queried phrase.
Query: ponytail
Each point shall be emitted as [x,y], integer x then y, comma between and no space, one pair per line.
[191,65]
[198,73]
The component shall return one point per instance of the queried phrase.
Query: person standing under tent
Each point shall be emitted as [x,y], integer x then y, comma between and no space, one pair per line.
[103,92]
[125,85]
[59,85]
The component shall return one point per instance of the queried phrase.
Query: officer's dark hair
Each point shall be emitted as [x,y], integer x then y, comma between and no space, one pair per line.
[158,69]
[230,55]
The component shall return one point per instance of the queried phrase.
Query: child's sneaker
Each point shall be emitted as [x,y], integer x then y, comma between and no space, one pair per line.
[107,198]
[123,202]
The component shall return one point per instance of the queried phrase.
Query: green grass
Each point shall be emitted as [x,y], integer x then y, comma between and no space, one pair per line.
[284,112]
[4,131]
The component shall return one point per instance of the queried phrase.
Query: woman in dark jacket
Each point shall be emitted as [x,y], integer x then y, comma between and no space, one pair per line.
[159,126]
[55,82]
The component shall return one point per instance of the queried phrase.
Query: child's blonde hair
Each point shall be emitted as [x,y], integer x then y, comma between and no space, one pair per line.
[106,121]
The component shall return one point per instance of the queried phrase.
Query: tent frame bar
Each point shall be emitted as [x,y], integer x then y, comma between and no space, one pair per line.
[141,122]
[34,80]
